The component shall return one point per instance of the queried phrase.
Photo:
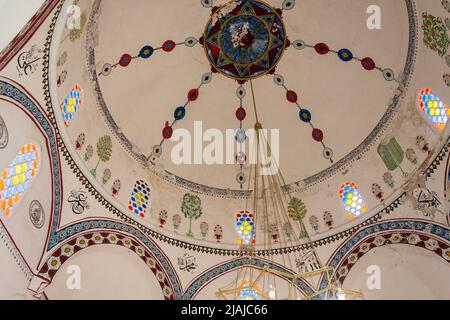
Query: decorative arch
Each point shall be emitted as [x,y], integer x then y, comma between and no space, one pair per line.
[169,284]
[447,186]
[419,233]
[215,272]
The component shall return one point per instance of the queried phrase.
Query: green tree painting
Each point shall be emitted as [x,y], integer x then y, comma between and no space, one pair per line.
[192,210]
[104,152]
[297,211]
[75,34]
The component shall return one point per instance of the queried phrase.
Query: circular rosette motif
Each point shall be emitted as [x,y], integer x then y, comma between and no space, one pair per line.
[245,39]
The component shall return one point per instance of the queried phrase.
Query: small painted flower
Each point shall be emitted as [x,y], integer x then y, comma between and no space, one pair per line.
[431,244]
[413,239]
[379,241]
[396,238]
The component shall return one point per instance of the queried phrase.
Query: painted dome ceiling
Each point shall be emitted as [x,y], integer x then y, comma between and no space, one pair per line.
[141,122]
[342,100]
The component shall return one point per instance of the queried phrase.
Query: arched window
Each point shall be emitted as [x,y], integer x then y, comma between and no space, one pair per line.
[245,227]
[434,109]
[139,200]
[72,103]
[352,200]
[16,179]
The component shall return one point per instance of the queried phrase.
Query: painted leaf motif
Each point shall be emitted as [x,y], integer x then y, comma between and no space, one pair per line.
[392,154]
[89,153]
[297,209]
[104,148]
[191,206]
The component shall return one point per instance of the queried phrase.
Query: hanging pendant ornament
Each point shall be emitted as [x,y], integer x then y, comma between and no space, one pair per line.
[241,178]
[278,79]
[125,60]
[157,151]
[317,135]
[241,158]
[321,48]
[240,92]
[299,44]
[106,70]
[241,136]
[207,3]
[288,4]
[193,95]
[291,96]
[241,114]
[328,153]
[190,42]
[167,131]
[168,46]
[179,113]
[206,78]
[146,52]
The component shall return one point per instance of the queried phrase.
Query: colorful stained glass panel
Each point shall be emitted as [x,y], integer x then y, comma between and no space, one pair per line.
[352,200]
[436,111]
[72,104]
[139,200]
[245,227]
[16,179]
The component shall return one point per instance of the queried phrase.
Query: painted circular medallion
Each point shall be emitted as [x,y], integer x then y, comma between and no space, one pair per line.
[245,39]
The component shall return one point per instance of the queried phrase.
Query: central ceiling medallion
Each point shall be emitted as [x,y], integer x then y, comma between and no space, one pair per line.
[245,39]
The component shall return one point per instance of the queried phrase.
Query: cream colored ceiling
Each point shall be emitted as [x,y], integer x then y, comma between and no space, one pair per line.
[346,101]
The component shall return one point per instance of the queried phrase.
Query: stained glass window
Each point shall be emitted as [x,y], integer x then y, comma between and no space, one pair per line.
[436,111]
[352,200]
[248,291]
[139,198]
[16,179]
[245,227]
[72,103]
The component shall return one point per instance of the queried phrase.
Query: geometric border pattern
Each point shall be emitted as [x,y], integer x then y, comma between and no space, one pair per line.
[11,91]
[420,233]
[70,248]
[202,280]
[390,238]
